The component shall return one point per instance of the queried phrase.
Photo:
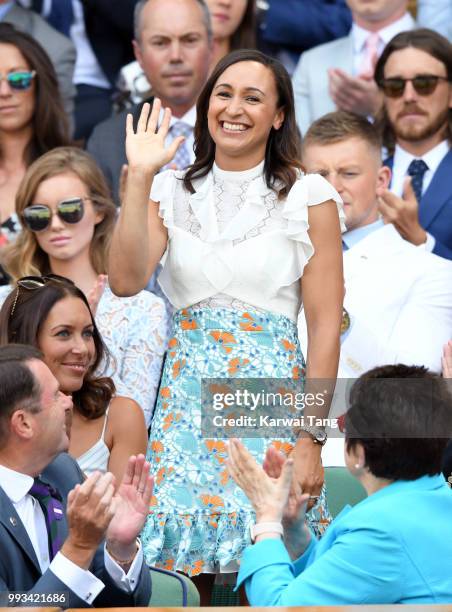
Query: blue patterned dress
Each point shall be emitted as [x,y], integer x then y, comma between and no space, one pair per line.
[199,519]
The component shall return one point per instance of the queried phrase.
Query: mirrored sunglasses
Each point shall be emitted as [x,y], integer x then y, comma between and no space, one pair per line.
[30,283]
[38,217]
[424,85]
[19,80]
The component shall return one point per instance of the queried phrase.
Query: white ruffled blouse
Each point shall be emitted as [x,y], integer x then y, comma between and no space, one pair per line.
[233,240]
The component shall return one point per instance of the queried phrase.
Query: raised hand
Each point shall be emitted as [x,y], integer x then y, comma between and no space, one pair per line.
[145,148]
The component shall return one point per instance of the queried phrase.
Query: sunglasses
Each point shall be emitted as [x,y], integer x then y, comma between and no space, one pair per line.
[38,217]
[30,283]
[424,85]
[19,80]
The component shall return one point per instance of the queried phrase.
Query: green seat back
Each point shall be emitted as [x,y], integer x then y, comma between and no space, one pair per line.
[342,489]
[171,589]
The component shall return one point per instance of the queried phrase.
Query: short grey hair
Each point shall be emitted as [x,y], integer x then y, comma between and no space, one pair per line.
[139,9]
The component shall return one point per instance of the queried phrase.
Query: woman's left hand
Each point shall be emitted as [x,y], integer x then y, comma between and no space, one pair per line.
[267,495]
[308,470]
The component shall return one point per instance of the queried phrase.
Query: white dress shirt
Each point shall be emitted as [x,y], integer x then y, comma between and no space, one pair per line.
[402,159]
[359,37]
[82,582]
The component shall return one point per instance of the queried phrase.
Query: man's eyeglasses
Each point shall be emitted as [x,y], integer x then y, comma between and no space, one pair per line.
[19,80]
[424,85]
[30,283]
[38,217]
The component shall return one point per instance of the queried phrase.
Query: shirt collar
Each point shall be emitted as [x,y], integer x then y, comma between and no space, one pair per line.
[433,158]
[355,235]
[15,484]
[4,9]
[189,118]
[359,34]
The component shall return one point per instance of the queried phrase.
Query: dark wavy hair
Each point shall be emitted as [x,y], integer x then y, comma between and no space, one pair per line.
[50,123]
[425,40]
[31,309]
[245,35]
[283,152]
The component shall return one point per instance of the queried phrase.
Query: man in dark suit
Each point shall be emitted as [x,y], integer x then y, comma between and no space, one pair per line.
[58,47]
[175,57]
[65,542]
[414,73]
[102,32]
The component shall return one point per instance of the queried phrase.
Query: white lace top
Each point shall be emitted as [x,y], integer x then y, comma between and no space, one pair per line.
[232,243]
[135,332]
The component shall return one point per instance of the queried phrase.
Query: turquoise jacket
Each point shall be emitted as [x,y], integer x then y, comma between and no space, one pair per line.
[393,547]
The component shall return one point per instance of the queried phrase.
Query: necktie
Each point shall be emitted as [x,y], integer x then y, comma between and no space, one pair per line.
[416,170]
[61,16]
[370,54]
[182,158]
[50,501]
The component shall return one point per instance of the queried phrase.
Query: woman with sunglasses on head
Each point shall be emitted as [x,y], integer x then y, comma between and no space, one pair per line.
[233,26]
[51,313]
[67,215]
[32,118]
[235,231]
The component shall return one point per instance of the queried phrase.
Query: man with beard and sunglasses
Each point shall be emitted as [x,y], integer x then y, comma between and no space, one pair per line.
[414,74]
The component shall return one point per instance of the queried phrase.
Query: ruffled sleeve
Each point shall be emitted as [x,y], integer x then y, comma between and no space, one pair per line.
[162,191]
[308,190]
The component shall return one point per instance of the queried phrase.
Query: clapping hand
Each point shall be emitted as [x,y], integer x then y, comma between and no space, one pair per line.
[267,495]
[358,94]
[145,148]
[96,292]
[446,360]
[403,213]
[131,506]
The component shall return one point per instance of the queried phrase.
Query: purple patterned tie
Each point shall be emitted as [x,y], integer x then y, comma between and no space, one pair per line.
[182,158]
[50,501]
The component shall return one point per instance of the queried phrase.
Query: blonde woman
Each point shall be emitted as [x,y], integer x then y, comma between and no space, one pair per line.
[67,215]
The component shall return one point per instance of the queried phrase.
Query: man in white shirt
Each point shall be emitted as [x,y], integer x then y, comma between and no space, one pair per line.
[65,542]
[173,44]
[398,298]
[339,74]
[415,75]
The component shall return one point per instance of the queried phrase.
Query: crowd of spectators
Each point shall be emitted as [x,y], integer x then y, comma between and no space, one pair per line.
[107,112]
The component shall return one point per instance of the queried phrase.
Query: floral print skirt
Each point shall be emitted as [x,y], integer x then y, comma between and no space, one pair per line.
[199,519]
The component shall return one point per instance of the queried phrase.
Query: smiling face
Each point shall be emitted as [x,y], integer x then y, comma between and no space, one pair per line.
[415,118]
[353,168]
[243,109]
[174,52]
[66,241]
[226,16]
[16,106]
[66,339]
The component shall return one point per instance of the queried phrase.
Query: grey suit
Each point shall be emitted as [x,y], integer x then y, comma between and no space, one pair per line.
[19,567]
[310,79]
[59,48]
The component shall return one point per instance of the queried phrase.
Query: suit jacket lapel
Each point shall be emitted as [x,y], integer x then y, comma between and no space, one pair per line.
[437,192]
[11,521]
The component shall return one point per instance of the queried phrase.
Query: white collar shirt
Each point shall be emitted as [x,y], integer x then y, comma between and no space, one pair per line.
[359,37]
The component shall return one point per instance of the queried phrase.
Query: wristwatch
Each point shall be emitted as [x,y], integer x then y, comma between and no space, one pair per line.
[317,434]
[268,527]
